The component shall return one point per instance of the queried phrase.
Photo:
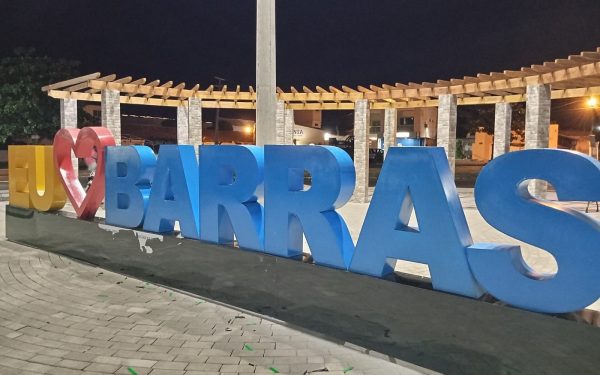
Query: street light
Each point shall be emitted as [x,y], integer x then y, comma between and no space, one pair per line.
[592,102]
[248,129]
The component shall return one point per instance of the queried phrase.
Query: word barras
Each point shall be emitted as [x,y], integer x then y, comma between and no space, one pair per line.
[215,198]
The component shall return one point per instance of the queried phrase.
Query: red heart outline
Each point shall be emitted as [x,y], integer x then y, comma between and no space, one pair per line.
[82,142]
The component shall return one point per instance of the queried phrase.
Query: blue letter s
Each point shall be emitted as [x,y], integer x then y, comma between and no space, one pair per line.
[571,237]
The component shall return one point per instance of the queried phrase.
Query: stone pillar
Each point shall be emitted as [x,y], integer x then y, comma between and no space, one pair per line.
[446,127]
[183,124]
[502,129]
[279,123]
[288,133]
[266,94]
[390,128]
[361,150]
[195,122]
[537,124]
[111,112]
[68,119]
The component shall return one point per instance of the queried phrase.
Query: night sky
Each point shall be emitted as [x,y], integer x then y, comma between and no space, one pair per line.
[324,42]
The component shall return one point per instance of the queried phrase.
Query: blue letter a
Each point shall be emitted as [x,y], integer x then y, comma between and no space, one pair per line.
[174,194]
[421,177]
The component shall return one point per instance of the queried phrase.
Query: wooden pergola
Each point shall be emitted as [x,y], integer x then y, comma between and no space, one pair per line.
[571,77]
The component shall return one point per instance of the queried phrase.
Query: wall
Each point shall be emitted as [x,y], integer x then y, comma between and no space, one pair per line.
[313,119]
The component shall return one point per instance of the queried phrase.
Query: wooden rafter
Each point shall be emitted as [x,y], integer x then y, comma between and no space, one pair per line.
[568,77]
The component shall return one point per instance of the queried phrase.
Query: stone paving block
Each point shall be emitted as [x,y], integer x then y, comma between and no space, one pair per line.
[129,354]
[191,358]
[280,353]
[169,365]
[76,356]
[157,356]
[167,372]
[198,345]
[124,370]
[224,360]
[72,364]
[17,354]
[204,367]
[248,353]
[125,346]
[45,359]
[169,342]
[215,352]
[99,367]
[237,368]
[101,351]
[125,338]
[186,351]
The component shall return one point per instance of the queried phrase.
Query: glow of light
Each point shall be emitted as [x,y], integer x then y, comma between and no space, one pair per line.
[248,129]
[326,136]
[592,102]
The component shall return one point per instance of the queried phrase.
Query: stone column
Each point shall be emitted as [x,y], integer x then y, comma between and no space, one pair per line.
[502,128]
[361,150]
[390,128]
[111,112]
[266,94]
[289,122]
[68,119]
[183,124]
[279,123]
[446,127]
[195,122]
[537,124]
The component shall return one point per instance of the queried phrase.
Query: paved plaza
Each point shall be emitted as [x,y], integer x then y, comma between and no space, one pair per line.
[60,316]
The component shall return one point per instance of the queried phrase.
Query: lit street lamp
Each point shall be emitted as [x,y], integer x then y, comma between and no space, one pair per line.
[248,129]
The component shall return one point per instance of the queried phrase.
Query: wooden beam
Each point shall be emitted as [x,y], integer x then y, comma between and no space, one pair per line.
[70,82]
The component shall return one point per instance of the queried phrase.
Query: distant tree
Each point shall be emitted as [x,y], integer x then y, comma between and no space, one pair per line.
[474,117]
[24,109]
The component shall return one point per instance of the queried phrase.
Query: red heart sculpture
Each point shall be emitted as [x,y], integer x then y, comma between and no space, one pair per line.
[82,142]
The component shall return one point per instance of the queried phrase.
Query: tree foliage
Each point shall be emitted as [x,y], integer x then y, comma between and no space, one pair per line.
[472,118]
[24,109]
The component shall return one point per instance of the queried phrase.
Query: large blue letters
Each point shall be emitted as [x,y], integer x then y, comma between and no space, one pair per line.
[174,193]
[217,201]
[571,237]
[129,175]
[231,181]
[419,176]
[290,210]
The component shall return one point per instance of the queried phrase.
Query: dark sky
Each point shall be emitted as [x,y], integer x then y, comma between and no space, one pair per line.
[319,41]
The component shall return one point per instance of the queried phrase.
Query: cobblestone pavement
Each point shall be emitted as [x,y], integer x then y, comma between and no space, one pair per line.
[60,316]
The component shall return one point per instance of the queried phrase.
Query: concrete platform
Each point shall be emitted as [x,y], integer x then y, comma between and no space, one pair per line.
[434,330]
